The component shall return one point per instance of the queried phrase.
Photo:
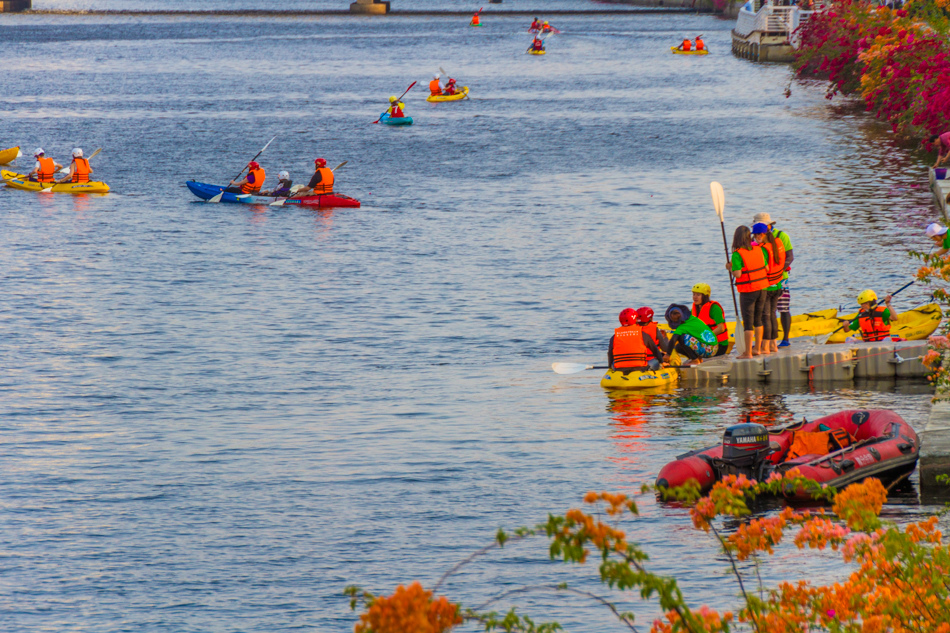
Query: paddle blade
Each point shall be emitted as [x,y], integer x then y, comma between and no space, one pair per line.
[279,202]
[64,170]
[216,198]
[569,368]
[94,154]
[719,198]
[18,153]
[340,165]
[47,190]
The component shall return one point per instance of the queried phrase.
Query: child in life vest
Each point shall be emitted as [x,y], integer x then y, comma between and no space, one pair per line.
[873,321]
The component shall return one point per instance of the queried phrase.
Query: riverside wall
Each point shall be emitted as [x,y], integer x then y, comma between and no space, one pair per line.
[729,8]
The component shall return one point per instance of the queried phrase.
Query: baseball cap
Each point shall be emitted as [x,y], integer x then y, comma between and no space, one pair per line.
[935,229]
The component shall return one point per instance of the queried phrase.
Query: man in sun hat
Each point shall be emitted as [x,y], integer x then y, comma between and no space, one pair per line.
[940,237]
[784,301]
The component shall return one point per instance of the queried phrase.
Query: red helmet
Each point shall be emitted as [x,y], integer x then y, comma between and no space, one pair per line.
[628,317]
[320,162]
[644,315]
[254,165]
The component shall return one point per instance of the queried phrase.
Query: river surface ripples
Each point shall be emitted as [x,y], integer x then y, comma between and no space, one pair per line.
[217,416]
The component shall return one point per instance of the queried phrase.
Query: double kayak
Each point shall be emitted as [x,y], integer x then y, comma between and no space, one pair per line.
[615,379]
[388,120]
[322,201]
[458,96]
[677,51]
[9,155]
[534,52]
[20,181]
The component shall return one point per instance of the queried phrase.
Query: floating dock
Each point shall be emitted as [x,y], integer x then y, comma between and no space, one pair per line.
[940,189]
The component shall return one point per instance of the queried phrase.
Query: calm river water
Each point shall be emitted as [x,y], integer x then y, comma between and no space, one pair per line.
[216,417]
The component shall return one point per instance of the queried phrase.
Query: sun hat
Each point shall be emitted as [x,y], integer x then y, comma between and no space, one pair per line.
[935,229]
[764,218]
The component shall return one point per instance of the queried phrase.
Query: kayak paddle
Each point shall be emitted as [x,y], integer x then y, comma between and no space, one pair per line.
[398,99]
[719,202]
[280,201]
[217,198]
[822,339]
[573,368]
[65,170]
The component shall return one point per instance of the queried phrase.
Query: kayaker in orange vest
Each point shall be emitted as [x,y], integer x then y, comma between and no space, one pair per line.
[321,182]
[700,44]
[712,314]
[629,350]
[749,266]
[776,249]
[252,183]
[873,320]
[79,168]
[475,21]
[686,45]
[651,329]
[435,87]
[547,28]
[535,26]
[395,108]
[45,168]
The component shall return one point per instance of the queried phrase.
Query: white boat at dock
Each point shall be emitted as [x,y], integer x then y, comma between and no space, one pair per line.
[765,31]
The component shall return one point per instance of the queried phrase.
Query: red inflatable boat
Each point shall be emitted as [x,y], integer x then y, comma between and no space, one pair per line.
[836,450]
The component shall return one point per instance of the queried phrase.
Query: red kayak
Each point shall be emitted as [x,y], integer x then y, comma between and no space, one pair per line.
[836,450]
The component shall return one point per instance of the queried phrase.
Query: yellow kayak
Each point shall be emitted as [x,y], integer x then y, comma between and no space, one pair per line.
[913,325]
[677,51]
[20,181]
[638,379]
[534,52]
[458,96]
[9,155]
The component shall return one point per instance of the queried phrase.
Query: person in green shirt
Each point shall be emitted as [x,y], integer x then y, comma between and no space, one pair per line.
[783,305]
[691,337]
[711,313]
[940,237]
[873,320]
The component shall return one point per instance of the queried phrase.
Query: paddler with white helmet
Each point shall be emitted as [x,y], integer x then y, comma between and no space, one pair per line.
[284,183]
[79,169]
[711,313]
[45,168]
[435,87]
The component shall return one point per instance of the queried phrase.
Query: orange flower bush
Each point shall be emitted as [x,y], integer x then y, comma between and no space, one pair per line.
[899,583]
[935,272]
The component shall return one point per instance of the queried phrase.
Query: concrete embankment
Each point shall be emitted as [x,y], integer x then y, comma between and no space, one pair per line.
[730,8]
[294,13]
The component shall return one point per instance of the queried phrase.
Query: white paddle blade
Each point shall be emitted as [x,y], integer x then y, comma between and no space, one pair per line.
[64,170]
[279,202]
[18,153]
[216,198]
[569,368]
[47,190]
[719,198]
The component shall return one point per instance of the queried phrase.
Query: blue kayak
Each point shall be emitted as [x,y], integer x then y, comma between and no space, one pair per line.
[388,120]
[324,200]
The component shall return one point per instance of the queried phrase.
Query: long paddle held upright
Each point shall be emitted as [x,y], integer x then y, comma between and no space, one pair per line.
[217,198]
[719,203]
[400,97]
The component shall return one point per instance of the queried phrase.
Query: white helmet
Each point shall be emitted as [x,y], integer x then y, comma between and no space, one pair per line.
[38,151]
[77,153]
[436,76]
[284,175]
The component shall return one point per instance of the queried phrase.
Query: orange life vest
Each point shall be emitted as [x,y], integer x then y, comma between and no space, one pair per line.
[47,170]
[650,329]
[434,88]
[475,21]
[754,276]
[700,45]
[872,324]
[326,181]
[776,261]
[629,348]
[687,45]
[257,175]
[704,315]
[81,170]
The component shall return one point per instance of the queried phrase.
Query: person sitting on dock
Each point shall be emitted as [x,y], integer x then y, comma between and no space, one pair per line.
[691,337]
[395,108]
[535,26]
[651,330]
[944,145]
[79,169]
[322,180]
[940,237]
[629,349]
[686,45]
[700,44]
[435,87]
[282,190]
[45,168]
[873,320]
[252,183]
[711,313]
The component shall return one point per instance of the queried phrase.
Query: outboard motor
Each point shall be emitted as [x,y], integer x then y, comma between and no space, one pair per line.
[744,449]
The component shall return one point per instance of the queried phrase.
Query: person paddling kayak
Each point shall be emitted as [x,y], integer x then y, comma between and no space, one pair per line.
[537,44]
[535,26]
[79,169]
[395,108]
[686,45]
[691,337]
[252,183]
[711,313]
[873,320]
[322,180]
[547,28]
[435,86]
[629,349]
[45,168]
[700,44]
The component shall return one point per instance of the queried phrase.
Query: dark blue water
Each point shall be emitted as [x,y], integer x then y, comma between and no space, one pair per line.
[215,417]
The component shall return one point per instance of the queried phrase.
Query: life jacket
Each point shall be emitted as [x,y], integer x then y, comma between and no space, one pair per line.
[687,45]
[395,112]
[450,87]
[326,181]
[81,171]
[776,261]
[475,21]
[754,276]
[435,88]
[538,45]
[47,170]
[650,329]
[629,349]
[704,315]
[700,45]
[872,324]
[535,26]
[257,175]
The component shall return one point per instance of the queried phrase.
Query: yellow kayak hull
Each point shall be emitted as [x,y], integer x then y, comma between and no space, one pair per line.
[913,325]
[20,181]
[677,51]
[536,52]
[639,379]
[458,96]
[8,155]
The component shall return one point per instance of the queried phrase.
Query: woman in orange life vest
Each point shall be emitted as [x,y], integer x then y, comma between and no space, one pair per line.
[686,45]
[776,249]
[395,108]
[252,182]
[712,314]
[435,87]
[45,168]
[700,44]
[652,330]
[873,320]
[749,266]
[79,169]
[629,349]
[322,180]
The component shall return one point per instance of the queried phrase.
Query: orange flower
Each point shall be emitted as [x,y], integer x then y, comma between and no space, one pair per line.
[409,609]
